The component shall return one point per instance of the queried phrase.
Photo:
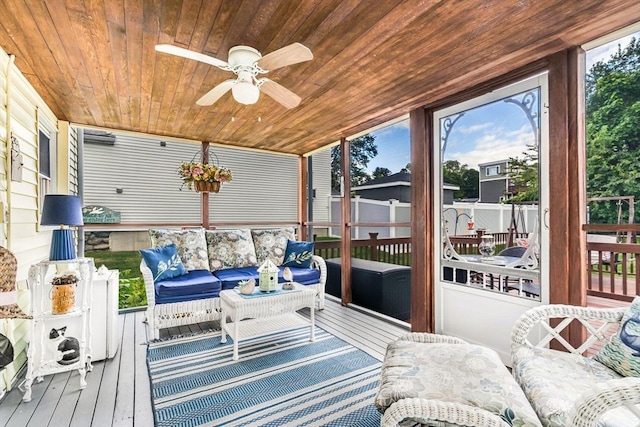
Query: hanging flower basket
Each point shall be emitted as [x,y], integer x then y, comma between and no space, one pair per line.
[206,186]
[204,177]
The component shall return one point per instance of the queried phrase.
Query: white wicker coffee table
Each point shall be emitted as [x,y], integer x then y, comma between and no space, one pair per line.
[265,313]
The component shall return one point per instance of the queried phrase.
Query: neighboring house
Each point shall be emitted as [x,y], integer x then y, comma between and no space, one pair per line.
[38,155]
[264,187]
[397,186]
[494,182]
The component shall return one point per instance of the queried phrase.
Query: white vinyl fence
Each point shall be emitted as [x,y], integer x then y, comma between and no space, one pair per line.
[493,217]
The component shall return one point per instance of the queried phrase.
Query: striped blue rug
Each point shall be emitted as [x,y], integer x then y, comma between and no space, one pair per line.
[281,379]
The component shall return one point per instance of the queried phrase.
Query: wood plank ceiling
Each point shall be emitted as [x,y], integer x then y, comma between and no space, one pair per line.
[94,63]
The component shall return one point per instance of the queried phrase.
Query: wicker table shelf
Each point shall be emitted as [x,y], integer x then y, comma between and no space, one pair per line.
[267,313]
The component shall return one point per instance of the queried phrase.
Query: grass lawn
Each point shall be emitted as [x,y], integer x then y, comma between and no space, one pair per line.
[131,292]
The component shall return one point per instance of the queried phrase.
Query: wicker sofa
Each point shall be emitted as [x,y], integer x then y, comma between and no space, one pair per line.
[227,257]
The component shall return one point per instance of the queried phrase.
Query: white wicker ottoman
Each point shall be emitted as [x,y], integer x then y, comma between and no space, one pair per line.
[429,378]
[269,312]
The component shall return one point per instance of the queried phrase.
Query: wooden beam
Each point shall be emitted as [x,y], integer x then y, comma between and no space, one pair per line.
[204,197]
[577,170]
[567,191]
[345,223]
[422,209]
[303,174]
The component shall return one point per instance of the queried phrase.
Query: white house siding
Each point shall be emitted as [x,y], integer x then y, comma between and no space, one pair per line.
[264,185]
[147,174]
[19,231]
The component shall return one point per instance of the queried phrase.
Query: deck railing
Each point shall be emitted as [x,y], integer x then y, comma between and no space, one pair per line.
[612,269]
[391,250]
[611,261]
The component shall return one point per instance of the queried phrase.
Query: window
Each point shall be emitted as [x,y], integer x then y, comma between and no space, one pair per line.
[47,160]
[44,152]
[492,170]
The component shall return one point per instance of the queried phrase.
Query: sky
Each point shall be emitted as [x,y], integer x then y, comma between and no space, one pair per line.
[494,132]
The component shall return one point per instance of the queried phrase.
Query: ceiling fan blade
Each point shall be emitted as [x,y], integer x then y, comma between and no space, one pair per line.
[190,54]
[288,55]
[280,93]
[216,93]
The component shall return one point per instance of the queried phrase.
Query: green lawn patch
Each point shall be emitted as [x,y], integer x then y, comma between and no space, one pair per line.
[131,292]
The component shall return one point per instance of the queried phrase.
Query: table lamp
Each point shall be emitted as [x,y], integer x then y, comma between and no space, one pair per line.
[63,210]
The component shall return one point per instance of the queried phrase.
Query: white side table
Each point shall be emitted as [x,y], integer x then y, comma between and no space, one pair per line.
[267,313]
[40,359]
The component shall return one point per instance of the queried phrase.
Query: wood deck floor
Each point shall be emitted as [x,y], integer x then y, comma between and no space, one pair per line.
[118,393]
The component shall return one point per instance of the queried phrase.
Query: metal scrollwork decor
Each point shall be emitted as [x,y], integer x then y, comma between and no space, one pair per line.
[16,160]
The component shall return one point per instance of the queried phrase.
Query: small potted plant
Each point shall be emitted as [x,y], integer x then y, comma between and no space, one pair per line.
[204,177]
[63,293]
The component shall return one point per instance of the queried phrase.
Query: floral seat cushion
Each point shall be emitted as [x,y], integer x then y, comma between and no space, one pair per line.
[553,381]
[457,373]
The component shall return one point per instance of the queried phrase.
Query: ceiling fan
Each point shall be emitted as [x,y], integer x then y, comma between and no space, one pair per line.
[247,63]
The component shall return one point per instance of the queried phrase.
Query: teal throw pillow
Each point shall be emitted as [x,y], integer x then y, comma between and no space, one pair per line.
[298,254]
[164,262]
[622,353]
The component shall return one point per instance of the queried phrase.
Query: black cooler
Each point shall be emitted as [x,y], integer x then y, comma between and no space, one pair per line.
[378,286]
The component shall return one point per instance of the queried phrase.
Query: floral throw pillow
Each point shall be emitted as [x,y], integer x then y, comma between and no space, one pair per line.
[622,353]
[230,249]
[164,262]
[298,254]
[191,244]
[272,243]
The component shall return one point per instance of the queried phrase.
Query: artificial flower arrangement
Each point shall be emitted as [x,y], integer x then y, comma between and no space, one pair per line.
[192,172]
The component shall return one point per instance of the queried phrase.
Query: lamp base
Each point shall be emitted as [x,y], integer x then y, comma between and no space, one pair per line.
[62,245]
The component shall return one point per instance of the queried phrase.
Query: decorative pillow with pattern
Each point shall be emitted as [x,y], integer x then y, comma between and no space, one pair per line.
[272,243]
[622,353]
[164,262]
[191,244]
[230,249]
[298,254]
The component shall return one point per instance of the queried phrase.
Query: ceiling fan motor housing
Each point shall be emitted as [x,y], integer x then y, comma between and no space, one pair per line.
[243,56]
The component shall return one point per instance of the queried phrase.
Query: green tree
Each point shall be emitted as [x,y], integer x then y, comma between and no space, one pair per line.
[613,131]
[380,172]
[406,169]
[362,150]
[523,176]
[453,172]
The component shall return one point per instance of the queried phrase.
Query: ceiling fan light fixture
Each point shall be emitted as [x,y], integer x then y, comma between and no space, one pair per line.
[245,93]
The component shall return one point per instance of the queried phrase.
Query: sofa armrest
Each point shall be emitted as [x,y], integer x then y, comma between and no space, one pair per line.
[427,338]
[149,286]
[318,263]
[603,397]
[538,316]
[424,411]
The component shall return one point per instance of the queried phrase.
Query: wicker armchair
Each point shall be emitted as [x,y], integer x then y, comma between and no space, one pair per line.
[555,380]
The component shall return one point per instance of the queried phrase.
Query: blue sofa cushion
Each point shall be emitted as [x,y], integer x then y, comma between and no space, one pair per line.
[231,276]
[196,284]
[298,254]
[163,262]
[304,276]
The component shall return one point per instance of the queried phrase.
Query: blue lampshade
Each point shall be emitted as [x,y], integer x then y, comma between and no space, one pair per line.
[62,209]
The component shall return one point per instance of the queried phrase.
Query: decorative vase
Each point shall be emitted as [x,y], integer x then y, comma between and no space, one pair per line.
[487,246]
[206,186]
